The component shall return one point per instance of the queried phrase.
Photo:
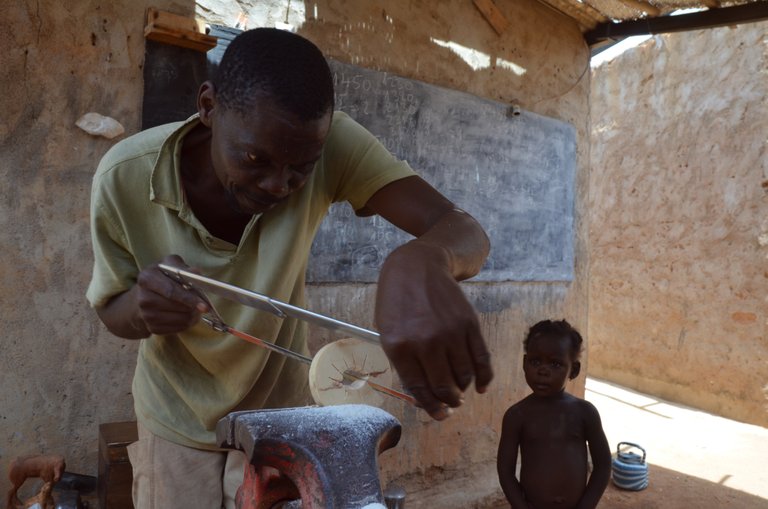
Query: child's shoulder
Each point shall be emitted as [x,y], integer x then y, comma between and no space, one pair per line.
[577,402]
[583,407]
[574,406]
[516,415]
[521,408]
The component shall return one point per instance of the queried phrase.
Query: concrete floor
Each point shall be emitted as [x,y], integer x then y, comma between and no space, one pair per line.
[717,460]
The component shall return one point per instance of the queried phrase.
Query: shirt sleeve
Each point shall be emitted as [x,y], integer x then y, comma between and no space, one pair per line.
[358,164]
[114,267]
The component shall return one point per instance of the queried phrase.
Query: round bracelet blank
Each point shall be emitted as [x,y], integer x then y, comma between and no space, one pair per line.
[340,372]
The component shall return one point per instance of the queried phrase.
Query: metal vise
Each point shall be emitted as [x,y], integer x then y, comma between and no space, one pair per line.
[325,456]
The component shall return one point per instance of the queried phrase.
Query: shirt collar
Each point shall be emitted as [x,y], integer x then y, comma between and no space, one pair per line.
[165,184]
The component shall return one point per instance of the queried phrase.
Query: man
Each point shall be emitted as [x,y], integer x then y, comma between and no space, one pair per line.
[238,192]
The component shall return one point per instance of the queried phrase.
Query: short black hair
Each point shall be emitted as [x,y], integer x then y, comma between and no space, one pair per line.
[278,64]
[556,328]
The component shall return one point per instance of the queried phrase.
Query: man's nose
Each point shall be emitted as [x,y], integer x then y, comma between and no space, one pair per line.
[276,182]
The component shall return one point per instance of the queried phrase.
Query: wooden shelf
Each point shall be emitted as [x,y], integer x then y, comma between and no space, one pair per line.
[170,28]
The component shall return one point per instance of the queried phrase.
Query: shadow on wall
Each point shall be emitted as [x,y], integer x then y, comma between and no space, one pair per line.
[381,36]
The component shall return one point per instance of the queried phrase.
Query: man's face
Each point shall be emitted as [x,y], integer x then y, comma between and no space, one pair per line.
[262,157]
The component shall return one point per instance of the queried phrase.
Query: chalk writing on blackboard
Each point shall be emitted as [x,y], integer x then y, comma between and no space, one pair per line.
[513,173]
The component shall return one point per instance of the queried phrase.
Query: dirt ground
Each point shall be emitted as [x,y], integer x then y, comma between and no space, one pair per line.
[668,489]
[695,460]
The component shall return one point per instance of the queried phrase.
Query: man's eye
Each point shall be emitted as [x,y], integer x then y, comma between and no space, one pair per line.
[255,159]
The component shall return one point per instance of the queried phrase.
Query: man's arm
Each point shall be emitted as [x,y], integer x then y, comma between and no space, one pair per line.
[600,452]
[429,330]
[506,458]
[154,305]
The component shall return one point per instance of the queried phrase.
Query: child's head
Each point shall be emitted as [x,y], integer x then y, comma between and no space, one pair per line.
[552,351]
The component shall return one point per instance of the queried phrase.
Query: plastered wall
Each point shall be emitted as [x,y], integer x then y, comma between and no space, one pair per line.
[62,373]
[679,220]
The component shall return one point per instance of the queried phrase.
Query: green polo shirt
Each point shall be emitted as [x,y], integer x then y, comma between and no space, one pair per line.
[184,383]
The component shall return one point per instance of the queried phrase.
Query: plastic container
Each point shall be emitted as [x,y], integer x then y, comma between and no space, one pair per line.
[629,469]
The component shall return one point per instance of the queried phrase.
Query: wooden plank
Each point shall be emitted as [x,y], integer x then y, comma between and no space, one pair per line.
[115,478]
[176,21]
[492,15]
[170,28]
[585,15]
[642,6]
[114,437]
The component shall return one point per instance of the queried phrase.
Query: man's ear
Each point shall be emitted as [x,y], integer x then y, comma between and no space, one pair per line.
[575,370]
[206,99]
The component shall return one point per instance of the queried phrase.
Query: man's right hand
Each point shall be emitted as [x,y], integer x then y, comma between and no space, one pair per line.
[155,305]
[164,305]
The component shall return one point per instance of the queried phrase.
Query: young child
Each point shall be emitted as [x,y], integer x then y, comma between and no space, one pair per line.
[551,428]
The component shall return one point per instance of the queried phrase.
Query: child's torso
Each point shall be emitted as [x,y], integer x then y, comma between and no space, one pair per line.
[554,456]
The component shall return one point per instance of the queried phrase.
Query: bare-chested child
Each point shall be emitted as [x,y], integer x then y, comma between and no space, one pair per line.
[552,428]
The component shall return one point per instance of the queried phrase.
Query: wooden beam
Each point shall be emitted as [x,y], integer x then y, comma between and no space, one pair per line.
[170,28]
[492,15]
[725,16]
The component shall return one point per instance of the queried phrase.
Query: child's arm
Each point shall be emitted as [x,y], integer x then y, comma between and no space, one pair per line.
[506,459]
[600,452]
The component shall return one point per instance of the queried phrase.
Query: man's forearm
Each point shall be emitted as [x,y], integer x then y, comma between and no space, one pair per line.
[463,240]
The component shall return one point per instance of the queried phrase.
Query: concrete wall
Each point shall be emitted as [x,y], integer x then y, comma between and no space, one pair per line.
[61,373]
[678,223]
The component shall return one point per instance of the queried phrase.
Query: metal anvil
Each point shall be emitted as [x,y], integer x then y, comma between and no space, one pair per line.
[325,456]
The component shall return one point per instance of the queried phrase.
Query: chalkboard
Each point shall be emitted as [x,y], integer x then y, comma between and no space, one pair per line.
[513,170]
[172,76]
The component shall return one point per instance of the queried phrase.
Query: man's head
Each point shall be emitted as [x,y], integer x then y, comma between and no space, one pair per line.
[269,110]
[552,351]
[283,66]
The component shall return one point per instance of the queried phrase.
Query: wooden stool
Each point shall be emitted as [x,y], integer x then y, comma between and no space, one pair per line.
[115,474]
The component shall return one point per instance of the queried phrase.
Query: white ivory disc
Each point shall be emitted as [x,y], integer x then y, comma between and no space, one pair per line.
[327,379]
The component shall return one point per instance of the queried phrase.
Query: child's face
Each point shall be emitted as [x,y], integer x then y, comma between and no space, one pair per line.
[547,364]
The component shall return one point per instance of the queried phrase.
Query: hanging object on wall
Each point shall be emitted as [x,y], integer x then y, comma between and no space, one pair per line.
[99,125]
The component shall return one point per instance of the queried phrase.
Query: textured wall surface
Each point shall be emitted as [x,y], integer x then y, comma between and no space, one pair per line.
[62,373]
[679,220]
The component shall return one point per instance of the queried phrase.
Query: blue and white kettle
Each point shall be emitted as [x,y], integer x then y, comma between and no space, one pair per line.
[630,471]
